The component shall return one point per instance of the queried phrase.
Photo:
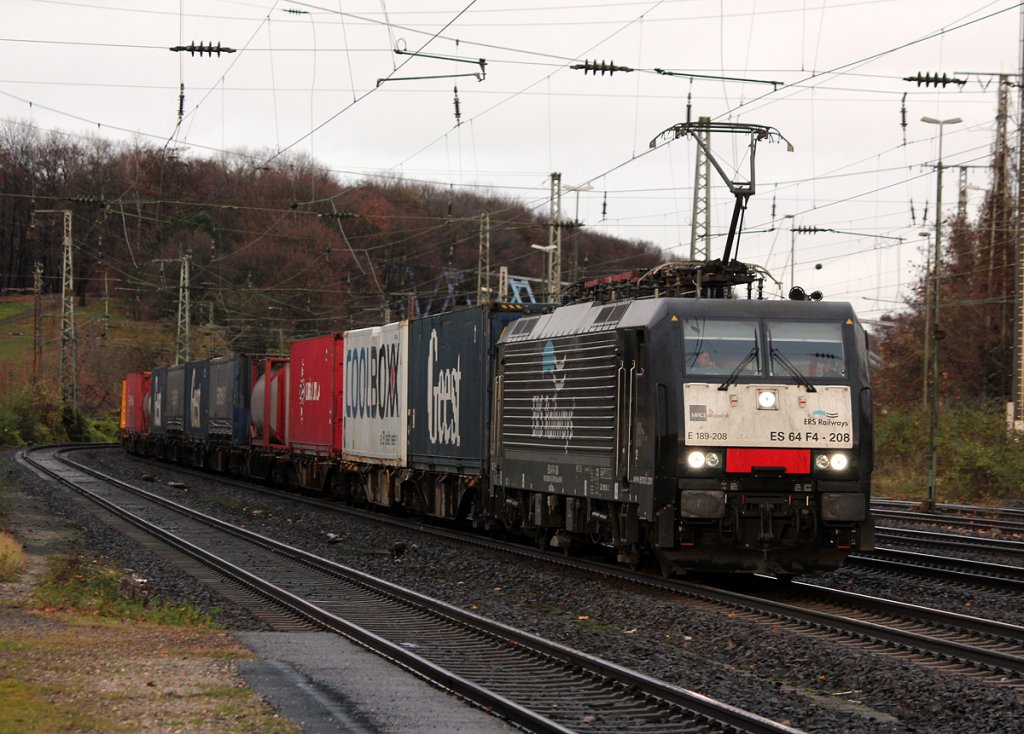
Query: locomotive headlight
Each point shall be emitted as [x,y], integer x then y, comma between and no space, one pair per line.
[839,462]
[698,459]
[836,463]
[767,400]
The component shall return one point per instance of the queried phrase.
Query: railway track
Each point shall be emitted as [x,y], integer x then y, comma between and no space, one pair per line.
[950,541]
[946,508]
[931,637]
[946,568]
[995,520]
[536,684]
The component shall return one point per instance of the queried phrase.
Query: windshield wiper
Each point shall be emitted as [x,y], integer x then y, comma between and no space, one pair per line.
[739,368]
[791,369]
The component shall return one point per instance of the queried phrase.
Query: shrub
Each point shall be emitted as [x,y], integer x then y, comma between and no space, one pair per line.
[12,557]
[978,461]
[34,414]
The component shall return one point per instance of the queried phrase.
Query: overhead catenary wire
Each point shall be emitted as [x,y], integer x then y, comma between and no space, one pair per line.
[672,187]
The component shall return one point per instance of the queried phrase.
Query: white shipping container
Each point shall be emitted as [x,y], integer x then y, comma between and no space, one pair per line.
[376,369]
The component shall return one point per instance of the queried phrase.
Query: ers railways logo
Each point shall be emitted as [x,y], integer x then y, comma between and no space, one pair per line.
[551,415]
[443,400]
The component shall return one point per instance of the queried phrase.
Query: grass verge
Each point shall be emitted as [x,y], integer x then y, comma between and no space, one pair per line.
[12,557]
[80,584]
[101,654]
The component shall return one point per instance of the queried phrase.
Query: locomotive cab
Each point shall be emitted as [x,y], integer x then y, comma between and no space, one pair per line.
[773,452]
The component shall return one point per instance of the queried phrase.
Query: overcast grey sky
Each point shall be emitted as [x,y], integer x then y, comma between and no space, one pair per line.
[304,80]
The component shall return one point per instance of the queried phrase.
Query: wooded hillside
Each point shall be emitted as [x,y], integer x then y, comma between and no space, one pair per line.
[275,252]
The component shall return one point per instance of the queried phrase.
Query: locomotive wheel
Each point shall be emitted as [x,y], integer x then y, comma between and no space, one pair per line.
[668,569]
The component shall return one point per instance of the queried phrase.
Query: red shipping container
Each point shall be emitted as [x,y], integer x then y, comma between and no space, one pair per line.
[315,406]
[135,402]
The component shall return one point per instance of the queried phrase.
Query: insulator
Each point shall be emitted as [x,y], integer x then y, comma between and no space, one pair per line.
[936,79]
[602,66]
[903,117]
[202,48]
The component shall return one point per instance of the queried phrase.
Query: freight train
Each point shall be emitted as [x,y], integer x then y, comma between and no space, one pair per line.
[707,434]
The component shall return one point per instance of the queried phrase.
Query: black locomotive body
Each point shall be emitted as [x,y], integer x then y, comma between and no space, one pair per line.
[719,434]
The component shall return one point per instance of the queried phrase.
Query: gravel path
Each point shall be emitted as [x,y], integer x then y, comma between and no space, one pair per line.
[806,682]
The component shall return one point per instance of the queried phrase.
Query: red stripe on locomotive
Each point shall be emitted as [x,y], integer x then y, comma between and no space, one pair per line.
[791,461]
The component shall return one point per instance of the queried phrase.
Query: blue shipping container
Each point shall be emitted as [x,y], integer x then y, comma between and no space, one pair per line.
[197,399]
[157,399]
[174,399]
[230,394]
[451,373]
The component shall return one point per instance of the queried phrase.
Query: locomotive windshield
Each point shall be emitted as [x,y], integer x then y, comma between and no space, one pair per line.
[807,350]
[720,347]
[814,349]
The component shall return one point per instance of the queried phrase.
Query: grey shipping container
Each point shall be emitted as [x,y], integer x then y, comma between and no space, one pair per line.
[451,373]
[197,399]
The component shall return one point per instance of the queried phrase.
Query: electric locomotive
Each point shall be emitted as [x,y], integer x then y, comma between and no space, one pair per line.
[717,434]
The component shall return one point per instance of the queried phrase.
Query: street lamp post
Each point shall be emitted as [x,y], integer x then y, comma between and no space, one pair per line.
[933,423]
[792,258]
[792,249]
[551,286]
[575,227]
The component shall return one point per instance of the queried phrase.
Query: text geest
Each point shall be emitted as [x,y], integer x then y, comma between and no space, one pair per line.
[443,400]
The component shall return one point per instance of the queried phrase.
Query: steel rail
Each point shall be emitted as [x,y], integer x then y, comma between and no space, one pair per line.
[633,685]
[946,508]
[959,570]
[949,540]
[888,637]
[960,521]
